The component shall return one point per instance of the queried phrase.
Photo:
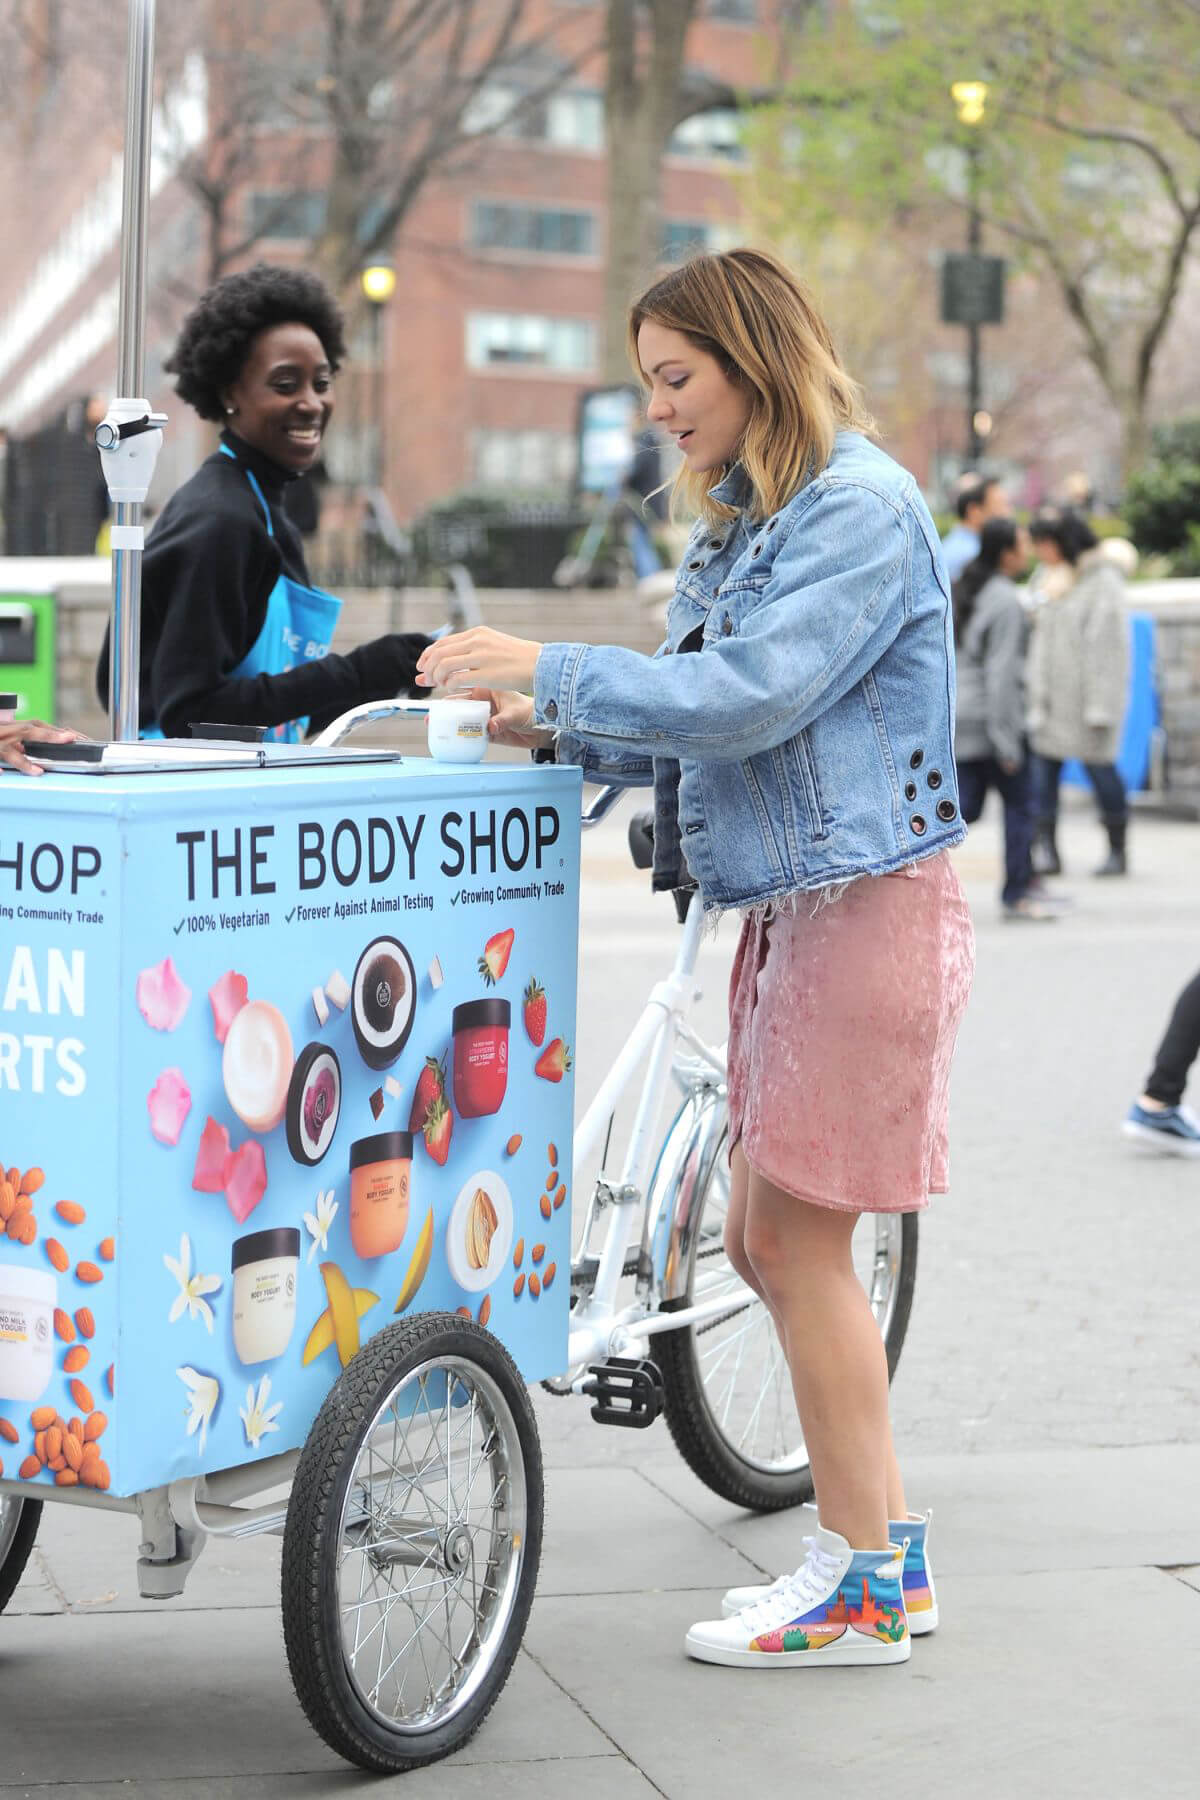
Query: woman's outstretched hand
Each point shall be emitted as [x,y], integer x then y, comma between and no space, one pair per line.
[15,734]
[480,657]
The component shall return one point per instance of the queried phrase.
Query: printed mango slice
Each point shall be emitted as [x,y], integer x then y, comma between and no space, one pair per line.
[324,1332]
[419,1264]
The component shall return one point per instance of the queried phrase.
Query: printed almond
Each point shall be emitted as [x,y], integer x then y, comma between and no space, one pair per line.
[552,1153]
[77,1358]
[512,1146]
[64,1325]
[85,1322]
[87,1271]
[81,1395]
[70,1212]
[31,1181]
[100,1475]
[29,1468]
[518,1252]
[90,1452]
[548,1274]
[23,1227]
[13,1178]
[544,1204]
[41,1416]
[54,1442]
[538,1251]
[485,1311]
[110,1379]
[518,1287]
[108,1249]
[462,1312]
[560,1197]
[22,1202]
[39,1445]
[8,1201]
[535,1286]
[552,1181]
[74,1425]
[9,1432]
[96,1426]
[73,1451]
[65,1477]
[57,1464]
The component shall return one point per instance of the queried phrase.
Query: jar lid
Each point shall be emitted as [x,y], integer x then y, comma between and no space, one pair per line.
[482,1012]
[385,1146]
[28,1284]
[265,1246]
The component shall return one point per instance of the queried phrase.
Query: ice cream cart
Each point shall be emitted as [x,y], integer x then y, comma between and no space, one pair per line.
[285,1126]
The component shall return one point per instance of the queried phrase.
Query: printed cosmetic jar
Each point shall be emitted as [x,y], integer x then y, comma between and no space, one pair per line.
[380,1170]
[265,1267]
[458,730]
[480,1056]
[28,1298]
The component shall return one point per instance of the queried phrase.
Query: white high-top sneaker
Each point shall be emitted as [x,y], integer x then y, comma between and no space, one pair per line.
[842,1606]
[920,1596]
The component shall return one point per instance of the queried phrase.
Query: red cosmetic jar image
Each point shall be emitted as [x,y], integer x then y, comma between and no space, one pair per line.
[480,1057]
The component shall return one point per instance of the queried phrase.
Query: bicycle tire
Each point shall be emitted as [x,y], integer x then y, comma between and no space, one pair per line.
[19,1521]
[706,1448]
[327,1527]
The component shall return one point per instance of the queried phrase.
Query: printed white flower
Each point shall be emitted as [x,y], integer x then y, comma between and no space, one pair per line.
[204,1391]
[319,1224]
[192,1288]
[257,1417]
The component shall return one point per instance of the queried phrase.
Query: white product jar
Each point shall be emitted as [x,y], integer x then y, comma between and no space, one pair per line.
[265,1267]
[458,730]
[28,1298]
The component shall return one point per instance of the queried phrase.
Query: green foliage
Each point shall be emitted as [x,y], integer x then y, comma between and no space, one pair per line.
[1162,504]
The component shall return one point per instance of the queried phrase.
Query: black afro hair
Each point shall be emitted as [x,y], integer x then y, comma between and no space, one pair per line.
[215,338]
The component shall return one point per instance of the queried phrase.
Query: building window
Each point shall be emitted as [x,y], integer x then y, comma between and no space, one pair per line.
[497,226]
[278,213]
[683,238]
[572,119]
[531,339]
[715,134]
[522,459]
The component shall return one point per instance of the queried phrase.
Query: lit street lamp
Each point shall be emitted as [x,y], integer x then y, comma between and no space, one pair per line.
[970,97]
[377,282]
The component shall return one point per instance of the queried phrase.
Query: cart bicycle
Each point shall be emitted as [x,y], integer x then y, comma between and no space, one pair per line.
[412,1520]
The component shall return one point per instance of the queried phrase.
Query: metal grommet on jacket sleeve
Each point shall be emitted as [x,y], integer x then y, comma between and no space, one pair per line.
[726,625]
[757,548]
[946,810]
[910,790]
[716,543]
[934,778]
[698,563]
[552,709]
[916,759]
[918,825]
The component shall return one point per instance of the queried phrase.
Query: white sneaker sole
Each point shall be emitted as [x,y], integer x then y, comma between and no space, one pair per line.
[836,1655]
[919,1624]
[1162,1141]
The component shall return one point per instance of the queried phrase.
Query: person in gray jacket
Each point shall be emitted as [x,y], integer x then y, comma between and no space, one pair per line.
[1078,677]
[990,632]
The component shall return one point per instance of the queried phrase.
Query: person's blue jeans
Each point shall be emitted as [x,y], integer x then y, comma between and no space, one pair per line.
[975,776]
[1106,782]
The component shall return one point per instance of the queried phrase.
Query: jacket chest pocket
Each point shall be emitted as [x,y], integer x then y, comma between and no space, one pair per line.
[803,762]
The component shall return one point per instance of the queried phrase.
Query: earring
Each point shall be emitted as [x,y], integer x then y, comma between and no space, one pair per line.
[230,410]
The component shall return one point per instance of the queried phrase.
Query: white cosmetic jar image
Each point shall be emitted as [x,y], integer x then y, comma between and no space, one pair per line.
[28,1298]
[458,730]
[265,1267]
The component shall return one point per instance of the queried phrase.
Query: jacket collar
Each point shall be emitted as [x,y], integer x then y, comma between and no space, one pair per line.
[735,489]
[272,476]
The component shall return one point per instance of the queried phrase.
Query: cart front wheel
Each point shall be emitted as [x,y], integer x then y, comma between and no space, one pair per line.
[19,1521]
[412,1544]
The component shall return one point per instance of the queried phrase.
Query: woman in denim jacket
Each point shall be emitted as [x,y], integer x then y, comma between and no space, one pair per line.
[797,729]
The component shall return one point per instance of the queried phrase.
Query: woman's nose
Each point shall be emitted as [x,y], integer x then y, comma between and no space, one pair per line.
[659,408]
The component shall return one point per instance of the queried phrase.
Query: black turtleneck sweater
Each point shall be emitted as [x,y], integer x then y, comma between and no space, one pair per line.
[207,572]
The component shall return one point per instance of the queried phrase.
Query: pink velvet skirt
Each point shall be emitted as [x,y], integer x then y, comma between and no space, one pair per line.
[842,1022]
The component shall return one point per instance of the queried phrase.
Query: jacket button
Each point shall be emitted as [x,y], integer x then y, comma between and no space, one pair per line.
[726,625]
[918,825]
[916,759]
[552,709]
[698,564]
[934,778]
[910,790]
[946,809]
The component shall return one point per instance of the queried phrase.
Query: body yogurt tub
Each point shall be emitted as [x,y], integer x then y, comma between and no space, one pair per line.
[380,1168]
[458,730]
[28,1298]
[480,1056]
[265,1267]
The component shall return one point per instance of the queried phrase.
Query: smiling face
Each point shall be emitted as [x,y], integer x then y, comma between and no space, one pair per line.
[692,397]
[283,398]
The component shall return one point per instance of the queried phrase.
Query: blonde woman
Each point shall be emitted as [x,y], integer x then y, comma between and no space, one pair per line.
[797,729]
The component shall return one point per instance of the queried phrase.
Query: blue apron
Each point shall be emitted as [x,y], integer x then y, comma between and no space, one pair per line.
[298,627]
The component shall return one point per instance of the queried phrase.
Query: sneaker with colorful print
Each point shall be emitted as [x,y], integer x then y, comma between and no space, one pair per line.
[841,1606]
[920,1595]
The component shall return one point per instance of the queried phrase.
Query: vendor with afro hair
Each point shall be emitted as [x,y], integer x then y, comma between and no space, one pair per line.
[232,630]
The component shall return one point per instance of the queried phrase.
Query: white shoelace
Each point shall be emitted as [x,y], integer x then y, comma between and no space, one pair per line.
[794,1594]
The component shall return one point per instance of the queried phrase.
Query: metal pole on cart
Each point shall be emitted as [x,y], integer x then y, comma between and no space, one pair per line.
[130,435]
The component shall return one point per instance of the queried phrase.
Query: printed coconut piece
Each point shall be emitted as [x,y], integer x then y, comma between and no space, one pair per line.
[169,1102]
[227,996]
[162,997]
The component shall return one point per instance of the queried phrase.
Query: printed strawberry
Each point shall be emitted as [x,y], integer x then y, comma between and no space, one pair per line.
[439,1123]
[496,953]
[554,1061]
[535,1011]
[431,1086]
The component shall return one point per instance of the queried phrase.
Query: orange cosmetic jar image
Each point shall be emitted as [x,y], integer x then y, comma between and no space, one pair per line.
[380,1168]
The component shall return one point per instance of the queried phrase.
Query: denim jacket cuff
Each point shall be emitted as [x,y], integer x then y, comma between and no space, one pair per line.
[553,683]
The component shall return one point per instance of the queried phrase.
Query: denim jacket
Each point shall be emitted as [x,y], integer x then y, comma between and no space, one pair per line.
[811,739]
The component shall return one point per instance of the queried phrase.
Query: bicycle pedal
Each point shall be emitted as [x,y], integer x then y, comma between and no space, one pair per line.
[627,1391]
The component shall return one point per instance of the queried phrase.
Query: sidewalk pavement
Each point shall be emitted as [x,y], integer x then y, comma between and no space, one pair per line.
[1048,1400]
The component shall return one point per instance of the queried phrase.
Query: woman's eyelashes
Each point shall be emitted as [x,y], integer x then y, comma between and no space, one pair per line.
[682,382]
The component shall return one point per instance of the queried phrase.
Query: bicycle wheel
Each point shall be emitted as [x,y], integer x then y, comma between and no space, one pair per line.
[19,1520]
[412,1544]
[728,1395]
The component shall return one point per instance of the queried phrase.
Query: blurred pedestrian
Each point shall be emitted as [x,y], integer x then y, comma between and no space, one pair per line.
[977,499]
[1078,679]
[990,634]
[1158,1116]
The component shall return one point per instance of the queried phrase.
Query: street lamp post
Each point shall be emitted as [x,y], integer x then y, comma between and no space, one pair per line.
[377,281]
[970,98]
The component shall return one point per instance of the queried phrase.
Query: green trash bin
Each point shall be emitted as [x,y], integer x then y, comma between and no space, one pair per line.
[27,648]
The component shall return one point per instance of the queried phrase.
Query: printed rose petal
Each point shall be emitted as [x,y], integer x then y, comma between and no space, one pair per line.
[245,1179]
[161,996]
[208,1177]
[170,1102]
[228,996]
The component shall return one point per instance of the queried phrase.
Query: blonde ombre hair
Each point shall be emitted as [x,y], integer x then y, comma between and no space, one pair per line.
[751,313]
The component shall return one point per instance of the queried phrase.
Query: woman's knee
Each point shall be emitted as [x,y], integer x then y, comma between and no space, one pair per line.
[735,1248]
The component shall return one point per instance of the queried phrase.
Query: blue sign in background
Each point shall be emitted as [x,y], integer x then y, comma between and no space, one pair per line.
[286,878]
